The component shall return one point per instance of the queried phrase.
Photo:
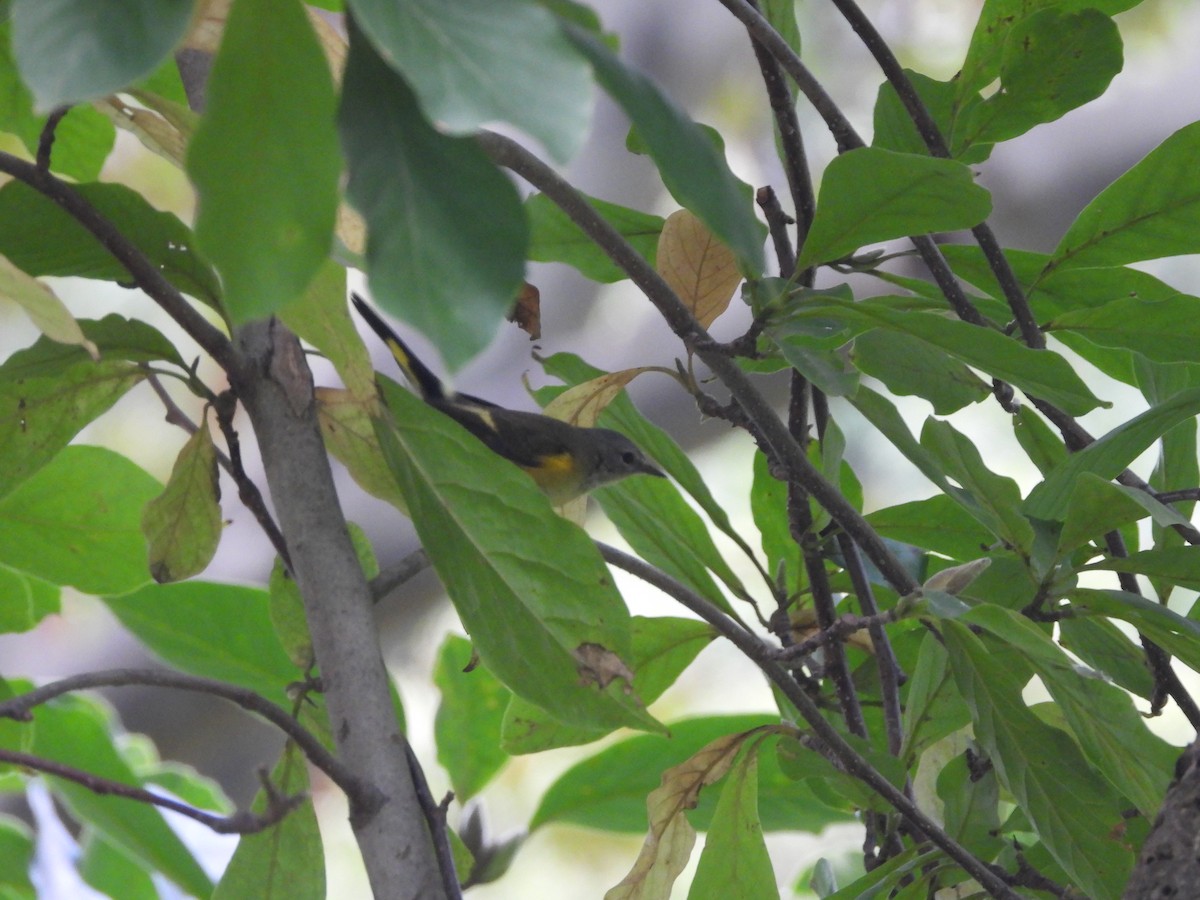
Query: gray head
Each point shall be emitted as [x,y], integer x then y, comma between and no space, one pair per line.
[611,456]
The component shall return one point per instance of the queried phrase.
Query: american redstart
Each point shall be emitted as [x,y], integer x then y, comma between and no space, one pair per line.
[565,460]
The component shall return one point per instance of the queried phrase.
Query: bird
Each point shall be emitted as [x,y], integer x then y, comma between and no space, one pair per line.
[565,461]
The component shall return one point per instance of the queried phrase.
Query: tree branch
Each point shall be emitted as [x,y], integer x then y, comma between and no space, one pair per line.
[242,822]
[361,794]
[511,155]
[144,273]
[832,743]
[273,381]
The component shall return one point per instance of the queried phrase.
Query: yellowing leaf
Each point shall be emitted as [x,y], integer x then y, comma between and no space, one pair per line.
[163,126]
[671,837]
[582,404]
[697,266]
[42,306]
[350,439]
[183,523]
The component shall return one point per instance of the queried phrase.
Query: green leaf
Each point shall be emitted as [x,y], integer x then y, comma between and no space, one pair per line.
[42,414]
[996,21]
[1164,330]
[555,238]
[115,337]
[1178,565]
[76,732]
[75,522]
[768,505]
[651,514]
[106,868]
[1151,211]
[16,858]
[936,523]
[827,368]
[906,867]
[608,790]
[320,317]
[993,499]
[41,238]
[83,138]
[910,366]
[432,258]
[1096,507]
[467,726]
[1073,810]
[183,524]
[266,217]
[481,61]
[933,706]
[70,50]
[692,168]
[1054,60]
[1178,462]
[1109,455]
[1104,647]
[734,862]
[27,600]
[970,806]
[894,128]
[1178,635]
[1041,444]
[1040,373]
[908,195]
[219,631]
[349,435]
[529,586]
[662,648]
[287,860]
[887,420]
[1110,731]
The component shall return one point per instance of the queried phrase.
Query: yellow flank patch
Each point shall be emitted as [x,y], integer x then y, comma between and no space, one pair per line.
[556,463]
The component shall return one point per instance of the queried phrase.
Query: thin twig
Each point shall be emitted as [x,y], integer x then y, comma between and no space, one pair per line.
[1185,495]
[392,577]
[777,223]
[46,138]
[225,404]
[241,822]
[795,160]
[1166,682]
[841,628]
[435,818]
[890,674]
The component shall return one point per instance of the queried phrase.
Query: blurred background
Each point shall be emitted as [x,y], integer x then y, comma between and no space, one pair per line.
[700,56]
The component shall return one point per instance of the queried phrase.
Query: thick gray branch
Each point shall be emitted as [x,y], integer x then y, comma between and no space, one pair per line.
[274,383]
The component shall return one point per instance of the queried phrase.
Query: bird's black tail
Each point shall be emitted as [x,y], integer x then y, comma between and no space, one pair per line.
[417,372]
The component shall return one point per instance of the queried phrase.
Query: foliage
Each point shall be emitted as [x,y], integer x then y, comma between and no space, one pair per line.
[901,645]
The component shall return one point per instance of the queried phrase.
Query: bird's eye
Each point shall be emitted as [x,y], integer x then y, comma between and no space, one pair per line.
[628,457]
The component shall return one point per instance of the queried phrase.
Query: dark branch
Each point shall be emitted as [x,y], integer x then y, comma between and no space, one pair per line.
[243,822]
[827,739]
[360,793]
[511,155]
[144,273]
